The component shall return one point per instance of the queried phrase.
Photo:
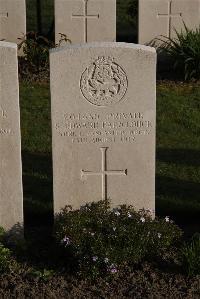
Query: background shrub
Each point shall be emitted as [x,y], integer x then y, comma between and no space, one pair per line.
[98,240]
[35,62]
[184,50]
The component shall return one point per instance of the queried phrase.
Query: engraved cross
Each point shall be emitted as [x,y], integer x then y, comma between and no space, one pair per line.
[104,173]
[169,17]
[86,16]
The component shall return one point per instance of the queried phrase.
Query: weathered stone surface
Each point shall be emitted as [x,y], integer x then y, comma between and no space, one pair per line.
[85,20]
[11,210]
[12,20]
[160,17]
[103,121]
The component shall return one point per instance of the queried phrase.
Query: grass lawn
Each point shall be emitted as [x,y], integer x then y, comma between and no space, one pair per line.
[178,153]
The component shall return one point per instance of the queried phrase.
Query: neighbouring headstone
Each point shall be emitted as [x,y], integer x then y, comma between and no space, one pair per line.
[85,21]
[160,18]
[103,121]
[11,199]
[12,20]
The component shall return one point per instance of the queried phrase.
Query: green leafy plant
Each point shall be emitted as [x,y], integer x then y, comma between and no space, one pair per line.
[5,255]
[35,60]
[43,275]
[36,50]
[184,50]
[191,256]
[99,240]
[34,63]
[2,234]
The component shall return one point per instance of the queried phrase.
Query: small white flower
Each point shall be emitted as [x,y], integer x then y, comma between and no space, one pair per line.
[66,241]
[142,219]
[117,213]
[106,260]
[92,234]
[129,215]
[159,235]
[95,258]
[114,228]
[167,218]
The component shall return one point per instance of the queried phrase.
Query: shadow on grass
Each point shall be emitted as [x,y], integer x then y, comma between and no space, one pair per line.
[184,194]
[188,157]
[38,189]
[175,197]
[180,200]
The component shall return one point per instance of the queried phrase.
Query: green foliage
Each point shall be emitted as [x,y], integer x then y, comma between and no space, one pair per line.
[2,234]
[34,64]
[43,275]
[4,259]
[5,254]
[36,55]
[36,50]
[191,256]
[99,240]
[185,52]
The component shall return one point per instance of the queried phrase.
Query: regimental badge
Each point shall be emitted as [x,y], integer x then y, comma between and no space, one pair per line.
[104,82]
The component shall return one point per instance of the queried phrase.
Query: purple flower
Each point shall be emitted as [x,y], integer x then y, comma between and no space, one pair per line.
[95,258]
[113,269]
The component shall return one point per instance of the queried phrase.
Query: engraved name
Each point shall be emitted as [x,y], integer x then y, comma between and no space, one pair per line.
[108,128]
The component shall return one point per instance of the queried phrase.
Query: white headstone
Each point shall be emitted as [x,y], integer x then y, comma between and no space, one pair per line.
[12,20]
[158,18]
[85,20]
[103,121]
[11,199]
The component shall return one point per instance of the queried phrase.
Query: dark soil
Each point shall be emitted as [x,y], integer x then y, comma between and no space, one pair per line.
[144,283]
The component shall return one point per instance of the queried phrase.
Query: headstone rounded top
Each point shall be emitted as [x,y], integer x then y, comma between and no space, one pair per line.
[104,45]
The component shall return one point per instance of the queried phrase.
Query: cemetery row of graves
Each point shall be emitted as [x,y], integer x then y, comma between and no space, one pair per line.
[99,184]
[87,20]
[115,252]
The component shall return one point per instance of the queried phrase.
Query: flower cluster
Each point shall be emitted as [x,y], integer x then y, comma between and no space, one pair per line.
[99,239]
